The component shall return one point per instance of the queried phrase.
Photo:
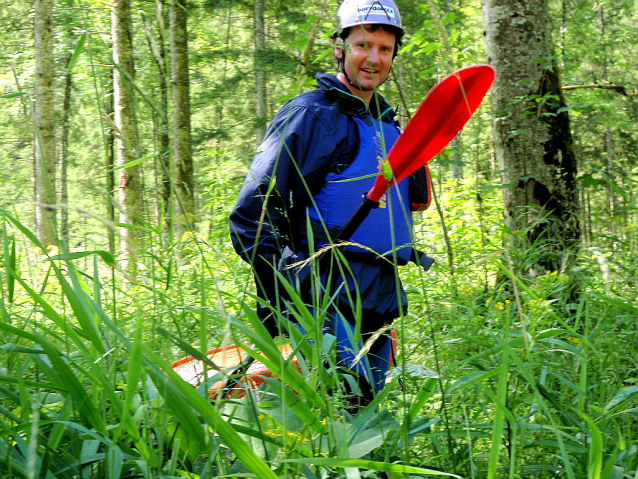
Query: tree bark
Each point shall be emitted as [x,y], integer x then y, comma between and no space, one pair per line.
[456,159]
[64,157]
[160,119]
[260,74]
[126,143]
[182,140]
[532,136]
[111,187]
[45,192]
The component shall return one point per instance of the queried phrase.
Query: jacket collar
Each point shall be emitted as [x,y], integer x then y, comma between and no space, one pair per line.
[349,104]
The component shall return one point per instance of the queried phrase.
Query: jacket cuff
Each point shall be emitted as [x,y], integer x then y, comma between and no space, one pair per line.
[421,259]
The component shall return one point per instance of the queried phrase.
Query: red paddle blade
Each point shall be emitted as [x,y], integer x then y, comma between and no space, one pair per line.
[442,114]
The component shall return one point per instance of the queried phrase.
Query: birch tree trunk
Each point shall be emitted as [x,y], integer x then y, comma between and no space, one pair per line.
[44,124]
[260,75]
[182,140]
[126,143]
[531,131]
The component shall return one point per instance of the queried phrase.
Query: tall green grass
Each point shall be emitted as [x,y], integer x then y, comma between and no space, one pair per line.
[498,374]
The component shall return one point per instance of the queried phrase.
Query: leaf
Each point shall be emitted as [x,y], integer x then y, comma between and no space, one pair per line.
[582,106]
[183,400]
[10,261]
[595,465]
[66,377]
[324,54]
[548,444]
[131,226]
[568,383]
[108,258]
[15,94]
[22,228]
[82,308]
[431,47]
[133,163]
[299,407]
[408,427]
[588,181]
[79,48]
[499,413]
[614,185]
[16,348]
[620,397]
[548,333]
[368,465]
[374,434]
[51,314]
[619,303]
[471,379]
[114,461]
[130,81]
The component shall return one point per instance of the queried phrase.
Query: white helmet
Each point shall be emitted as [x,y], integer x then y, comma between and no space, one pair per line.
[368,12]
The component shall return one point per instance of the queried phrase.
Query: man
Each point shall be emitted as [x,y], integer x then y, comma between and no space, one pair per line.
[319,156]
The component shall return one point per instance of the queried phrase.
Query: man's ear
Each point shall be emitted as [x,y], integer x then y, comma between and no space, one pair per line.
[338,44]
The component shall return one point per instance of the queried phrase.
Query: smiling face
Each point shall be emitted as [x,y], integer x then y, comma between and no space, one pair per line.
[368,58]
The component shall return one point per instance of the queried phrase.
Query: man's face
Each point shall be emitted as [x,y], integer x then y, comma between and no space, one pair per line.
[368,56]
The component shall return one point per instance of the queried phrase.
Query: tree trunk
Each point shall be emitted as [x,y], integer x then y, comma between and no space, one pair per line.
[160,119]
[182,141]
[532,137]
[126,143]
[456,159]
[44,124]
[609,137]
[261,119]
[110,172]
[64,158]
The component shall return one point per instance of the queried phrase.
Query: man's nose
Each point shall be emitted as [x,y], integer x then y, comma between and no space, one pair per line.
[373,56]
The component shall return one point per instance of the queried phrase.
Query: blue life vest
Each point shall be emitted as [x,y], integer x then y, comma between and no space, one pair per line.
[386,228]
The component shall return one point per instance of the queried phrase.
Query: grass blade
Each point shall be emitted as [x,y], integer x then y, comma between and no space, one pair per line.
[369,465]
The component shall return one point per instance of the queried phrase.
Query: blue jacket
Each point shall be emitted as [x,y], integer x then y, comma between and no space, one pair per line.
[313,135]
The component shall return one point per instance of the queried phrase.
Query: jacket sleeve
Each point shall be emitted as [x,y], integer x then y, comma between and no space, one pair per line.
[289,167]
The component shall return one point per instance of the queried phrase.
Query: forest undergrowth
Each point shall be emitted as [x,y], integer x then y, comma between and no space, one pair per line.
[502,371]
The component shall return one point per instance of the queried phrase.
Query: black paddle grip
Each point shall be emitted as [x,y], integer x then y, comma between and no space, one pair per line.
[357,218]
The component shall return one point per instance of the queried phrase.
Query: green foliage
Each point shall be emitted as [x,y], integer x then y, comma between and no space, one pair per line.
[500,373]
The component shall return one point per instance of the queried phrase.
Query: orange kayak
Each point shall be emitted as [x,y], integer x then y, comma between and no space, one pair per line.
[191,370]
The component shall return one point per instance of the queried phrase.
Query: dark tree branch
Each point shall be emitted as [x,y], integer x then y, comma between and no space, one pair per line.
[617,88]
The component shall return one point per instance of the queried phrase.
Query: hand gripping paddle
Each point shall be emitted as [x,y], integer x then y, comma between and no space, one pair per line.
[442,114]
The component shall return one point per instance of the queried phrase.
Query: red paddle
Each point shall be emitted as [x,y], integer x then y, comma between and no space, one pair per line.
[442,114]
